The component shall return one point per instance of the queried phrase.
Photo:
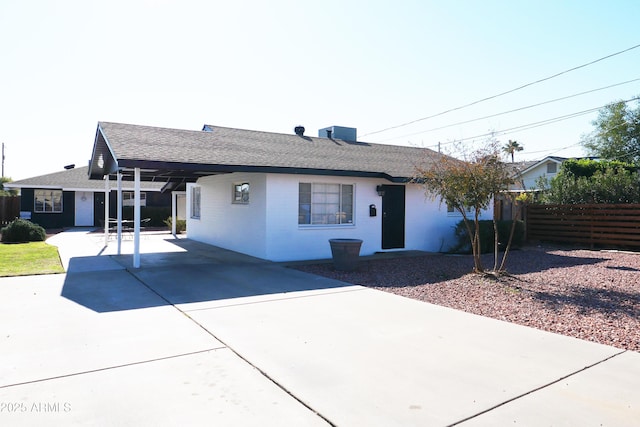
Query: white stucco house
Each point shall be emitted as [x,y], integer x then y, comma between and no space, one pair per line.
[281,197]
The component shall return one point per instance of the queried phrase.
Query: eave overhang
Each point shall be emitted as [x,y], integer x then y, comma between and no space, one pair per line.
[191,172]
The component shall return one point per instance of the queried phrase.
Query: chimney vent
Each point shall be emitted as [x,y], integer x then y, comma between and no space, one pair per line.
[299,130]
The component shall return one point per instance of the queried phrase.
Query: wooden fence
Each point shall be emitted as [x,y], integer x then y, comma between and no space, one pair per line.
[9,209]
[596,224]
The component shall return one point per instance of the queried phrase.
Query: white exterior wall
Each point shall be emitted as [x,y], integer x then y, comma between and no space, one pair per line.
[268,226]
[429,227]
[239,227]
[288,241]
[532,175]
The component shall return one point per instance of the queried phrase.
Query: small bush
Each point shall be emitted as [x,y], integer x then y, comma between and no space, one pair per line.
[21,230]
[181,224]
[486,236]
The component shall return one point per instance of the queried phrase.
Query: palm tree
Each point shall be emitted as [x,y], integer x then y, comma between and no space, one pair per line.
[511,147]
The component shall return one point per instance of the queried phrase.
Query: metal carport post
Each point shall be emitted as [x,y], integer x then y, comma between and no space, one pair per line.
[136,218]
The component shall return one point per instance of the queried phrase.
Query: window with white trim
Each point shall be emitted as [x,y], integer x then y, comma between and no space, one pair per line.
[128,198]
[241,193]
[552,167]
[47,201]
[325,204]
[195,202]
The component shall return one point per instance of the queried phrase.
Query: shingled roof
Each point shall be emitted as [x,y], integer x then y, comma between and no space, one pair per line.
[75,179]
[175,154]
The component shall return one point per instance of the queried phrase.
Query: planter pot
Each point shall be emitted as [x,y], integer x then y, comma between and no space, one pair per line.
[345,253]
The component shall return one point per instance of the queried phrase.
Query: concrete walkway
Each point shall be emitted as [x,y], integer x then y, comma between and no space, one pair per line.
[203,336]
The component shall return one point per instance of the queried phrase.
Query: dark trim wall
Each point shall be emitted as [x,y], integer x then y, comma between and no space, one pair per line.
[50,220]
[158,205]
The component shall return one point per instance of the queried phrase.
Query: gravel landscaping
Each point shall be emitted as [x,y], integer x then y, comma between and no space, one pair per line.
[591,295]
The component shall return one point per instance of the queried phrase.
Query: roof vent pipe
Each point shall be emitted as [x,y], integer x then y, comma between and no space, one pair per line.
[299,130]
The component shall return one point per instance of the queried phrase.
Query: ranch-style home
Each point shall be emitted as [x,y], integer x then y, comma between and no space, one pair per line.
[68,198]
[281,197]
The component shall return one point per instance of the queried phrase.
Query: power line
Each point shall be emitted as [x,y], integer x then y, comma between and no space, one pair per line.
[504,93]
[514,110]
[553,150]
[533,125]
[526,126]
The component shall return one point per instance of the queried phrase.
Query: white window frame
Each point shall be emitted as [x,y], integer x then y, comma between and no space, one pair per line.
[196,202]
[340,215]
[549,167]
[240,193]
[128,198]
[48,198]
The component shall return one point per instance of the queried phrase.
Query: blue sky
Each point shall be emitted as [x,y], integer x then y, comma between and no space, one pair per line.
[272,65]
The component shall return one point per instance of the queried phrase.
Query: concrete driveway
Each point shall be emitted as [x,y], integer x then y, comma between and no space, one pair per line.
[203,336]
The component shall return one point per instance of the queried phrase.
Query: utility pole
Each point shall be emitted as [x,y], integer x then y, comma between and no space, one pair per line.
[2,159]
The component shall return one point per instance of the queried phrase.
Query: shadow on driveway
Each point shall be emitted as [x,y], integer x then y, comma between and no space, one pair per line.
[198,274]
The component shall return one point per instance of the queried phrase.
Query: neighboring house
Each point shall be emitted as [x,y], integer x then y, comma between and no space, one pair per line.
[68,198]
[526,175]
[529,172]
[281,197]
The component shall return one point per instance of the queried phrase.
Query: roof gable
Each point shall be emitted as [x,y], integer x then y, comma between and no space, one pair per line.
[548,159]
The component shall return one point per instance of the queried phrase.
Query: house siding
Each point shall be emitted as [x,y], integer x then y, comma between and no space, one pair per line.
[429,225]
[268,226]
[288,241]
[529,178]
[239,227]
[66,218]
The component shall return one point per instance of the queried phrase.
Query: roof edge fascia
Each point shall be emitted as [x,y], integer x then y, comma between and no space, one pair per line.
[35,186]
[216,168]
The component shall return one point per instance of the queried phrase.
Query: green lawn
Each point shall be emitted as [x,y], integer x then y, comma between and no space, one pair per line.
[22,259]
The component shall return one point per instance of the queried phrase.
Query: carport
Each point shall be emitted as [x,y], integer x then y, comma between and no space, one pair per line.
[142,157]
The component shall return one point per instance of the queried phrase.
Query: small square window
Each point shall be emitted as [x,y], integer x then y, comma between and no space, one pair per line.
[241,193]
[552,167]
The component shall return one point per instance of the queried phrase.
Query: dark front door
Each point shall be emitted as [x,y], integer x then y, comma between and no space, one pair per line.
[393,217]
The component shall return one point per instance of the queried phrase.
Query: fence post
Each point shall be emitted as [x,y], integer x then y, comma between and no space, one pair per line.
[523,214]
[9,209]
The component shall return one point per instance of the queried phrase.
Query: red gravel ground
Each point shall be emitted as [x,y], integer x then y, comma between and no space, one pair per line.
[591,295]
